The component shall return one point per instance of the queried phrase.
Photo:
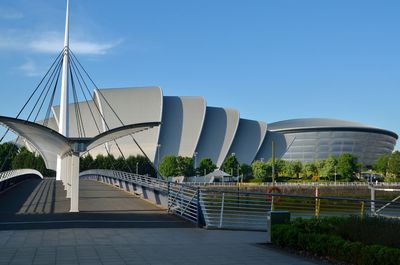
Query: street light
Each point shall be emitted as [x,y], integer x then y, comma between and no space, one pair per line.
[195,160]
[158,154]
[137,168]
[158,160]
[370,176]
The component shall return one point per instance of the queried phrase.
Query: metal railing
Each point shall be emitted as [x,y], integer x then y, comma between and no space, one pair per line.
[237,209]
[12,177]
[248,210]
[295,184]
[183,200]
[6,175]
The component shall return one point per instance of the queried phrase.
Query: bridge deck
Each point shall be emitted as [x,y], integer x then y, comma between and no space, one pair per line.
[42,204]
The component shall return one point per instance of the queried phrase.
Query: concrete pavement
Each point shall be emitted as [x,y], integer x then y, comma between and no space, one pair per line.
[115,227]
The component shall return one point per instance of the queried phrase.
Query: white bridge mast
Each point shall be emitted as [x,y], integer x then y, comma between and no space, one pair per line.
[63,124]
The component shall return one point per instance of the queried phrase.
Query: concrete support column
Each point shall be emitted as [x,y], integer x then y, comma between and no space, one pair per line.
[74,177]
[63,175]
[67,173]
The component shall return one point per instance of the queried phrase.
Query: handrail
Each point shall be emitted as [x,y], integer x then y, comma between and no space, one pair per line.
[227,208]
[6,175]
[295,196]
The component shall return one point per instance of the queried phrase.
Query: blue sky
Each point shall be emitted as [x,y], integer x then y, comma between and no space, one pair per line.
[272,60]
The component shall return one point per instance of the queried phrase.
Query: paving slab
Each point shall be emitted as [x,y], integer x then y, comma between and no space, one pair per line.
[116,227]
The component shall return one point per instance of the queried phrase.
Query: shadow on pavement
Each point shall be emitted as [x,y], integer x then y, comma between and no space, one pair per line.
[42,204]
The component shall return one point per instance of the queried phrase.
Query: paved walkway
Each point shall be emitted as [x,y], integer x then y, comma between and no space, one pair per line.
[122,230]
[167,246]
[37,204]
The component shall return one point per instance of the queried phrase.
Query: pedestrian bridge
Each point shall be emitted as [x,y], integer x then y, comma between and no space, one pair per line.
[36,202]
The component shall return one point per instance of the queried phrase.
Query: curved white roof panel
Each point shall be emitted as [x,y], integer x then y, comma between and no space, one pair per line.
[182,123]
[248,140]
[46,141]
[132,105]
[219,130]
[90,116]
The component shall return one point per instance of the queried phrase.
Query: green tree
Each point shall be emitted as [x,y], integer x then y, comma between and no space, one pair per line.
[329,167]
[86,162]
[261,171]
[310,170]
[231,165]
[247,172]
[168,166]
[121,164]
[185,166]
[347,166]
[381,165]
[23,159]
[280,166]
[394,164]
[109,162]
[297,167]
[7,153]
[206,166]
[319,164]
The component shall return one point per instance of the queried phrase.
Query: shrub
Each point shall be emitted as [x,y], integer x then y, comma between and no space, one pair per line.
[317,237]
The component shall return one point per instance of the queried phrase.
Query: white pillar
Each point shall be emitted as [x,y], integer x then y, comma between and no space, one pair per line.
[63,124]
[74,183]
[67,170]
[63,174]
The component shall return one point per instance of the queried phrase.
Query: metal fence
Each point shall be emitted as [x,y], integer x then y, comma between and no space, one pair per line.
[295,184]
[237,209]
[13,177]
[6,175]
[183,201]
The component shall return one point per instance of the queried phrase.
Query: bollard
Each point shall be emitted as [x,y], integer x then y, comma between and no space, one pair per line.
[274,218]
[317,203]
[362,209]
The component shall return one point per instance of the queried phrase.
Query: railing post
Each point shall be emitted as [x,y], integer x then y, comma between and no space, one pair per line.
[362,209]
[181,206]
[317,203]
[168,196]
[221,217]
[199,219]
[372,199]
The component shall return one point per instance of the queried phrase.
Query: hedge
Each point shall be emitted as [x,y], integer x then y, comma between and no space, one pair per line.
[325,245]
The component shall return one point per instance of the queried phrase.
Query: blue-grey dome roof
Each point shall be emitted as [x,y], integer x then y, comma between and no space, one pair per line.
[324,124]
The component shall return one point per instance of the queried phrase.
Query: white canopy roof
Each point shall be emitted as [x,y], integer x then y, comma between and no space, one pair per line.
[50,143]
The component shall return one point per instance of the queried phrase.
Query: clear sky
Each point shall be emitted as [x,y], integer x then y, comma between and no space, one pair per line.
[272,60]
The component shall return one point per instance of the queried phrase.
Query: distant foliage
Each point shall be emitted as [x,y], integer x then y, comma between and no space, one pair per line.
[394,164]
[131,164]
[231,166]
[206,166]
[13,157]
[172,166]
[347,166]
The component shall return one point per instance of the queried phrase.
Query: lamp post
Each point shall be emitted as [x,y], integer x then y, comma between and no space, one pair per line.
[158,154]
[158,160]
[195,161]
[137,168]
[370,176]
[233,154]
